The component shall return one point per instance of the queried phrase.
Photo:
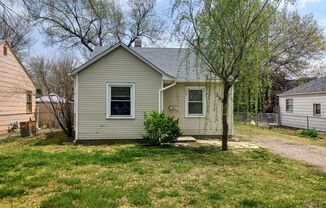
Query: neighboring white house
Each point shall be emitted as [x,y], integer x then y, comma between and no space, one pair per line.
[119,84]
[305,106]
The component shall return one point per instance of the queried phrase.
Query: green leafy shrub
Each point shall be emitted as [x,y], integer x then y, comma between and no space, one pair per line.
[312,133]
[160,128]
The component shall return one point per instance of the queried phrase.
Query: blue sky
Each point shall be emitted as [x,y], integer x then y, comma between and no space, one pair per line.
[315,7]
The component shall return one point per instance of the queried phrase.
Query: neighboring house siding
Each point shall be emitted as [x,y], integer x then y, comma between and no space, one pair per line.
[303,108]
[212,123]
[45,117]
[120,66]
[14,84]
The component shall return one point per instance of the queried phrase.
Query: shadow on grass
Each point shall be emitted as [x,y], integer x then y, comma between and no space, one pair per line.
[10,138]
[53,138]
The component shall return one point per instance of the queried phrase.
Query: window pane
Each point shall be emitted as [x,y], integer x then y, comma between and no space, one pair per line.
[195,95]
[289,101]
[120,108]
[28,107]
[195,108]
[317,109]
[120,93]
[289,105]
[29,102]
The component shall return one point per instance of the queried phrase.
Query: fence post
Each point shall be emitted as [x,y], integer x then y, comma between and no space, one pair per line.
[279,116]
[307,122]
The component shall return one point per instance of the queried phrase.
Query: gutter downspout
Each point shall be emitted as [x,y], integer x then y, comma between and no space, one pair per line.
[76,108]
[160,100]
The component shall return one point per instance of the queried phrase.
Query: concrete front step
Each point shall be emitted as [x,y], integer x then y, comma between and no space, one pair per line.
[186,139]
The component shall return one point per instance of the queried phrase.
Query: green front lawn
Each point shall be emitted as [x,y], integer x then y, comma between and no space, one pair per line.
[34,172]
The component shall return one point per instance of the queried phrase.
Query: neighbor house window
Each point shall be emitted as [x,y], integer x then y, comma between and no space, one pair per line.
[5,50]
[29,107]
[120,102]
[317,109]
[195,102]
[289,105]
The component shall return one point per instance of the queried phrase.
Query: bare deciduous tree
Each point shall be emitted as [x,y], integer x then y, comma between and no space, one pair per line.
[51,76]
[143,21]
[13,28]
[73,23]
[90,23]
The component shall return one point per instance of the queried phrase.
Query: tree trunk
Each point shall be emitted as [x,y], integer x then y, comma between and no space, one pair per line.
[225,101]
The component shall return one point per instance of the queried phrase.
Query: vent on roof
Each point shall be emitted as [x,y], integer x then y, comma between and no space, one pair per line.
[138,42]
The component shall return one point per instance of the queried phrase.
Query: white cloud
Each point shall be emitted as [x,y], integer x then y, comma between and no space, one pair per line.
[303,3]
[124,3]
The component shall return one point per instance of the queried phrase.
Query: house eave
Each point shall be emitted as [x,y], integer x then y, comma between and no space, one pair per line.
[199,81]
[302,93]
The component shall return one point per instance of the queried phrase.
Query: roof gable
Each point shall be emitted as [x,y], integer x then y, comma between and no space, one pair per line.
[5,43]
[107,51]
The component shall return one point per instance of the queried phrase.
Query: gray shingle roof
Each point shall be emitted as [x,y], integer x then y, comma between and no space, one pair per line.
[315,86]
[179,63]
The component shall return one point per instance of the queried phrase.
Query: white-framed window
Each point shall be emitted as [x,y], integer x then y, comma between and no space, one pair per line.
[195,102]
[317,109]
[120,101]
[289,105]
[29,103]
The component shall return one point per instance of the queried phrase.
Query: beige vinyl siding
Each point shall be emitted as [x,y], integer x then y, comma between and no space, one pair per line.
[212,123]
[303,108]
[120,66]
[14,83]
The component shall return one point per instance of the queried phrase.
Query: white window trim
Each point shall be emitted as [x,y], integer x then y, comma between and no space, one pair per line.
[287,111]
[108,100]
[187,115]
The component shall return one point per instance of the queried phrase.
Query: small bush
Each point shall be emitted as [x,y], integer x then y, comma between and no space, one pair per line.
[312,133]
[160,128]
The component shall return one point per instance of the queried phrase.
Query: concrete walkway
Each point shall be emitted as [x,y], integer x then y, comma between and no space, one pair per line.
[236,145]
[311,154]
[187,140]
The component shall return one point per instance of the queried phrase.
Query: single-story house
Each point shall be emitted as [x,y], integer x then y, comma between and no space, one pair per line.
[305,106]
[119,84]
[17,90]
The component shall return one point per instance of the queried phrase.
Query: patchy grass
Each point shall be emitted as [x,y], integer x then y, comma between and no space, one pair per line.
[38,174]
[11,138]
[246,132]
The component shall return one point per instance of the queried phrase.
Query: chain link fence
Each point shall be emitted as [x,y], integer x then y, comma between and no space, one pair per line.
[258,119]
[286,120]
